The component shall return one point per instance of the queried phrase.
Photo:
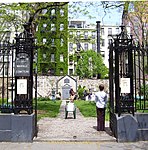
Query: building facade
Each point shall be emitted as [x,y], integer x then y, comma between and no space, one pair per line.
[83,37]
[52,41]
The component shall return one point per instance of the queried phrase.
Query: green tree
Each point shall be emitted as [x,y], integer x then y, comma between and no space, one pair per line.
[135,12]
[91,64]
[36,15]
[14,15]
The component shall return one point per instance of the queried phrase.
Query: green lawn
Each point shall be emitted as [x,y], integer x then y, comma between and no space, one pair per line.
[48,108]
[88,109]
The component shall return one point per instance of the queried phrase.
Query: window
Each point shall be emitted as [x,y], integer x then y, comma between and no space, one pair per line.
[51,71]
[71,60]
[78,46]
[37,28]
[70,34]
[53,12]
[103,53]
[61,27]
[102,31]
[79,26]
[52,57]
[66,80]
[62,12]
[44,56]
[36,41]
[94,47]
[61,58]
[53,28]
[44,11]
[85,46]
[93,34]
[70,71]
[44,25]
[117,30]
[78,33]
[109,41]
[86,35]
[52,42]
[71,47]
[62,42]
[44,40]
[109,31]
[103,42]
[61,70]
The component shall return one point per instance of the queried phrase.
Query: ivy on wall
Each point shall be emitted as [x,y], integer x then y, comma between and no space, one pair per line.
[52,41]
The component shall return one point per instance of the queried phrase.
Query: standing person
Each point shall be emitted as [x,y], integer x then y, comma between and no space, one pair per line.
[101,100]
[72,94]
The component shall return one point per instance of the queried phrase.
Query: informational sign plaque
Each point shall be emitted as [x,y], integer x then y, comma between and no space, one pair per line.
[21,86]
[22,65]
[125,85]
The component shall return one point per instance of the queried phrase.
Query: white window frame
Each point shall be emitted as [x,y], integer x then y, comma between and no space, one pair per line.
[61,58]
[52,57]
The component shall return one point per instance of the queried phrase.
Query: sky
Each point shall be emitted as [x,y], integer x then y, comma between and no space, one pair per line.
[112,17]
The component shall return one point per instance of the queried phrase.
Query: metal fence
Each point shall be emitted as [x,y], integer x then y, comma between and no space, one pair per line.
[128,75]
[7,53]
[140,76]
[16,74]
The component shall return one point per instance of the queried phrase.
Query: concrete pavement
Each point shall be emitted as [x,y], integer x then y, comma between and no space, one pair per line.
[73,134]
[143,145]
[79,129]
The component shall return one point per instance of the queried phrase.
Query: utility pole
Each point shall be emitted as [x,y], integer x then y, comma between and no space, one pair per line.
[98,36]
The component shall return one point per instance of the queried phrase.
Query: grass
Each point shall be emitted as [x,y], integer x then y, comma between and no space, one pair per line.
[48,108]
[88,109]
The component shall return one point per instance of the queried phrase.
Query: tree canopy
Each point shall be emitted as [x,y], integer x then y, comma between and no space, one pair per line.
[90,64]
[133,12]
[15,15]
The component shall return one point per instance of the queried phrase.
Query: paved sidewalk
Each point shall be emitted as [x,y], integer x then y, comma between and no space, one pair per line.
[72,134]
[70,129]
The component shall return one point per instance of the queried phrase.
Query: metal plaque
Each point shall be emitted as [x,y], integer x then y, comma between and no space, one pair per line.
[22,65]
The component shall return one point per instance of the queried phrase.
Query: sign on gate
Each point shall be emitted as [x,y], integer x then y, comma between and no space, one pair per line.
[125,85]
[22,65]
[21,86]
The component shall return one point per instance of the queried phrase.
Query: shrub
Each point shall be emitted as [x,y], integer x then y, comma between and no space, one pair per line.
[43,98]
[81,92]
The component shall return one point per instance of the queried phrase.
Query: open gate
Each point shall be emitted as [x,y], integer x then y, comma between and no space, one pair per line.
[128,77]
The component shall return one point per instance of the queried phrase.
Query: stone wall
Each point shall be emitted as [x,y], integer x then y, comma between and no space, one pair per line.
[45,84]
[48,83]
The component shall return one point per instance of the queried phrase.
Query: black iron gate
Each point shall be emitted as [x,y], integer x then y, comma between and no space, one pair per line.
[128,76]
[140,70]
[16,75]
[24,73]
[7,78]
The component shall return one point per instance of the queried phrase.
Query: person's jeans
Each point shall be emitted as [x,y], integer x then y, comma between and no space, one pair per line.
[100,119]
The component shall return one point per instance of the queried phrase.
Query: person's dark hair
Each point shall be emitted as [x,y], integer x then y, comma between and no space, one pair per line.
[101,87]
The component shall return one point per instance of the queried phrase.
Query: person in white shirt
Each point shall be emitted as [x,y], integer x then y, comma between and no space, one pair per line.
[101,101]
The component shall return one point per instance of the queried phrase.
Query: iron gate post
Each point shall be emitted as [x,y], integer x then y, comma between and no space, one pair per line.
[24,72]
